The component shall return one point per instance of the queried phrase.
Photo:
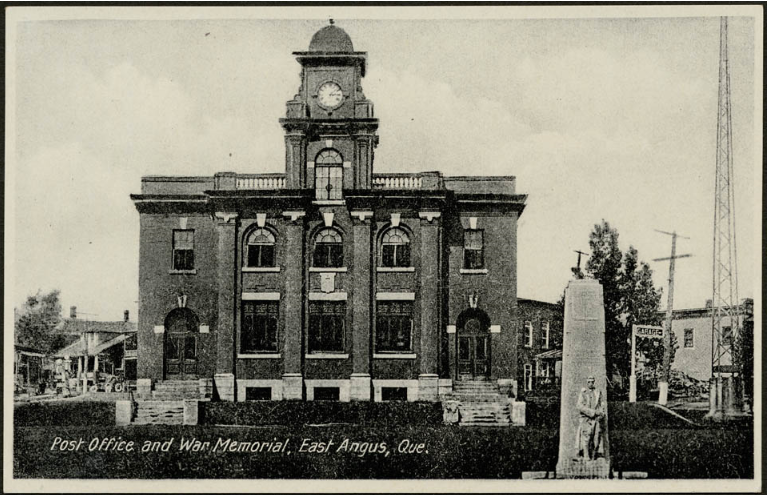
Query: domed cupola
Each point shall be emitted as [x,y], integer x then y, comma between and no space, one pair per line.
[331,39]
[330,116]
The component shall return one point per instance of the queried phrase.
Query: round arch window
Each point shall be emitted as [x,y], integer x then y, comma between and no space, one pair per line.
[328,249]
[329,175]
[395,248]
[260,249]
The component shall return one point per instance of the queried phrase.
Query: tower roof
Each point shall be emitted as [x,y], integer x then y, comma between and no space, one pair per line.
[331,39]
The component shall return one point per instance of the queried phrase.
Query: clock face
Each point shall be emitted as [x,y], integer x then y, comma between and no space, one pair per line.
[330,95]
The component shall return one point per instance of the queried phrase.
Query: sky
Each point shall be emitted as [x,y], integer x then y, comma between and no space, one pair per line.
[600,117]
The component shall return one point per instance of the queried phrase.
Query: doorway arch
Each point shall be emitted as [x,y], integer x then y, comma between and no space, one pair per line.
[181,342]
[474,349]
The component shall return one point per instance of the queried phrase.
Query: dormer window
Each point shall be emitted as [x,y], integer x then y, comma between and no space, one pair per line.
[329,175]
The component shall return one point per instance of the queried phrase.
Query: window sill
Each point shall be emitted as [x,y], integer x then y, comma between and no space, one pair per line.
[261,269]
[329,202]
[193,271]
[394,355]
[266,355]
[326,355]
[384,269]
[328,269]
[474,271]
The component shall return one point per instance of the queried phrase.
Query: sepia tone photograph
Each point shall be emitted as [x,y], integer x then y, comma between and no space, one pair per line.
[331,248]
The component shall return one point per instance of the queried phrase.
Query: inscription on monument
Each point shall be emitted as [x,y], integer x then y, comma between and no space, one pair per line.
[586,305]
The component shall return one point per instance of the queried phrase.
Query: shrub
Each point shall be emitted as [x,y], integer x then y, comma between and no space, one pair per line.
[298,413]
[621,415]
[74,413]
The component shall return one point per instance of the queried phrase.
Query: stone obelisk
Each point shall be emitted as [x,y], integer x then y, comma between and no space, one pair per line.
[584,447]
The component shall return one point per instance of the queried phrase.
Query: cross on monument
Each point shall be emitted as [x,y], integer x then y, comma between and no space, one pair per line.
[579,258]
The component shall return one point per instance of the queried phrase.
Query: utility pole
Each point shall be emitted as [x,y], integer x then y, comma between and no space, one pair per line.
[666,371]
[725,307]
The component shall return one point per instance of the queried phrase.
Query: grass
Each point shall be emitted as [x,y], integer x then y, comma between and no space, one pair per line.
[642,439]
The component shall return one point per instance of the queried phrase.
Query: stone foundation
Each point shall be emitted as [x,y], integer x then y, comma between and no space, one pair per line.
[428,387]
[224,386]
[360,387]
[275,385]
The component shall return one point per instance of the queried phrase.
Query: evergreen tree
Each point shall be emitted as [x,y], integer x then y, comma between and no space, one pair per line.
[37,321]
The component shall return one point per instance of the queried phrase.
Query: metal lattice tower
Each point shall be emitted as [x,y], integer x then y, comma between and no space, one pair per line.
[725,307]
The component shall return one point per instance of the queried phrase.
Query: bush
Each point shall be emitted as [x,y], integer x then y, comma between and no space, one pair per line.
[319,412]
[74,413]
[621,415]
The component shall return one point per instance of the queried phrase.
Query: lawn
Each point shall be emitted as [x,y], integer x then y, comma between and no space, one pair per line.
[72,440]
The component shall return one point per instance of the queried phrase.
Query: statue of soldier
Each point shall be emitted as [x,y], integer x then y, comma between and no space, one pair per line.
[591,409]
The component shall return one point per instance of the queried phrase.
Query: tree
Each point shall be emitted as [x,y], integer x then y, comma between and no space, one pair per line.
[629,298]
[37,322]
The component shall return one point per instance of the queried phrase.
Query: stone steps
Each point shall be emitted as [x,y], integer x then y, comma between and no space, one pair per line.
[174,390]
[481,404]
[152,412]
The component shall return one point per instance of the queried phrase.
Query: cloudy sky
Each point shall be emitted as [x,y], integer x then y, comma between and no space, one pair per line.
[598,117]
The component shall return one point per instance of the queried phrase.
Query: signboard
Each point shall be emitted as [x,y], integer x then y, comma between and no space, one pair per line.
[648,331]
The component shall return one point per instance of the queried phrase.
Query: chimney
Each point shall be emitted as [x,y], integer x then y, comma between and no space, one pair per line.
[73,312]
[126,315]
[709,303]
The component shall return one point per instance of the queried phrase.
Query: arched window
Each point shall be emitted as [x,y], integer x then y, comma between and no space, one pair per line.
[329,175]
[260,249]
[328,249]
[395,248]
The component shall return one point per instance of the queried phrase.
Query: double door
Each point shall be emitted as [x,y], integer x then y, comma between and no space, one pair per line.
[181,356]
[473,356]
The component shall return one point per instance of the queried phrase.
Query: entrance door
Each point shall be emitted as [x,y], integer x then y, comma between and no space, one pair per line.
[474,348]
[181,345]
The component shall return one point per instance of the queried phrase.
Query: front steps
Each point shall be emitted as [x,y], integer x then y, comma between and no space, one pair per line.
[165,404]
[174,390]
[481,404]
[159,412]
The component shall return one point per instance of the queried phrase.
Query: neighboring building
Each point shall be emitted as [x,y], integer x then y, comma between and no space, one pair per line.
[329,281]
[693,329]
[539,340]
[106,346]
[28,364]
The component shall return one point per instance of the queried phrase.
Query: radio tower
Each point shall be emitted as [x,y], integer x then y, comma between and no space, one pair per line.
[725,317]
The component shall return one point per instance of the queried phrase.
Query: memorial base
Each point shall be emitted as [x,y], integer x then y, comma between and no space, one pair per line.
[578,468]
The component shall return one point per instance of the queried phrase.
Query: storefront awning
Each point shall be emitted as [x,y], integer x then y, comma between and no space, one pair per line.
[76,349]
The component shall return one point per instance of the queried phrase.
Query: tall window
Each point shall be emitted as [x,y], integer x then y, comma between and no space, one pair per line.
[183,249]
[326,326]
[329,175]
[395,248]
[689,337]
[528,334]
[394,326]
[259,327]
[260,248]
[473,249]
[545,330]
[328,249]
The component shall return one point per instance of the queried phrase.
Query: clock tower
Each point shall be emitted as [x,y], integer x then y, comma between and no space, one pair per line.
[330,131]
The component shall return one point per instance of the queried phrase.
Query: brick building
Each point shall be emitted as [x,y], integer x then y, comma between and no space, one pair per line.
[329,281]
[540,326]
